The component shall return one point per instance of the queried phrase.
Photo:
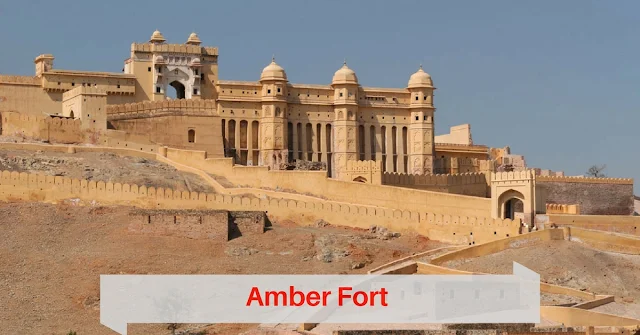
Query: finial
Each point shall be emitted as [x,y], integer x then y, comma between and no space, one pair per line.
[345,62]
[273,58]
[420,66]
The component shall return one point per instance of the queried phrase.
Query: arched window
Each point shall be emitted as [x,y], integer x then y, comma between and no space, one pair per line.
[71,115]
[192,136]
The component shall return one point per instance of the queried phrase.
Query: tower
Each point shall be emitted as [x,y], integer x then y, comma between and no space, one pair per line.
[273,125]
[44,63]
[421,137]
[345,107]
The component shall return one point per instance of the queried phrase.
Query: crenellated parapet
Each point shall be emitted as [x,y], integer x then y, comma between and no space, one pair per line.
[159,108]
[174,48]
[563,209]
[402,179]
[512,176]
[585,180]
[20,80]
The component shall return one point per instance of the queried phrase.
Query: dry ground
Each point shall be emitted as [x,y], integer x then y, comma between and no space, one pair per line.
[103,166]
[574,265]
[51,257]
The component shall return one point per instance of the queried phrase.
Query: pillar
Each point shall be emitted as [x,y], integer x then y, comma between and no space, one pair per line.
[367,142]
[295,140]
[250,142]
[400,151]
[389,148]
[237,140]
[323,142]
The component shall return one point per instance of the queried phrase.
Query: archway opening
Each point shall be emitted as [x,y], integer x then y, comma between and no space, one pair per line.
[192,136]
[178,91]
[511,203]
[360,179]
[513,206]
[71,115]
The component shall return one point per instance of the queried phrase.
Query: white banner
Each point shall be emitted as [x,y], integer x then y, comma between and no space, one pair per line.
[319,299]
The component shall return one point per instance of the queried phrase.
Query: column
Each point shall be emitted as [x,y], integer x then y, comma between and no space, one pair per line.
[314,143]
[389,147]
[367,142]
[323,142]
[250,143]
[226,134]
[378,146]
[400,144]
[305,155]
[295,140]
[237,140]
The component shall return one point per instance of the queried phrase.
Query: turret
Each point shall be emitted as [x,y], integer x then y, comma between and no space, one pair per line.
[273,119]
[44,63]
[345,108]
[421,130]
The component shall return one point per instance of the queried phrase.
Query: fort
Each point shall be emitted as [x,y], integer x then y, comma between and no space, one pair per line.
[382,162]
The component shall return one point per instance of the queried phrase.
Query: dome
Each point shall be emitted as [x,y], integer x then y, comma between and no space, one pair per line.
[160,60]
[344,76]
[193,39]
[273,71]
[195,62]
[157,37]
[420,79]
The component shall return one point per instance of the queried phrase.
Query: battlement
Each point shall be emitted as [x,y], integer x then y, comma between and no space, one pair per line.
[174,48]
[585,180]
[562,209]
[512,175]
[20,80]
[394,178]
[448,228]
[83,90]
[186,106]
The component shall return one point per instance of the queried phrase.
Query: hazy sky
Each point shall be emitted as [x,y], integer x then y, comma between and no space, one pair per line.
[557,81]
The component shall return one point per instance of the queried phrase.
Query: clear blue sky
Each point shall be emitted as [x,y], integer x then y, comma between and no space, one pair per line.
[558,81]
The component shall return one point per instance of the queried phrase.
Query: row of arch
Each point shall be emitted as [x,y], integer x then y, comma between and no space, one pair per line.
[244,137]
[314,142]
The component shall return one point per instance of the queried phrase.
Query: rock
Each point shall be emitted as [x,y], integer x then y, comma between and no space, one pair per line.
[321,223]
[240,251]
[306,259]
[357,265]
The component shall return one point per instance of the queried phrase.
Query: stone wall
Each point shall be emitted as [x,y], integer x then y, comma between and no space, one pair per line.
[217,225]
[473,184]
[594,196]
[45,128]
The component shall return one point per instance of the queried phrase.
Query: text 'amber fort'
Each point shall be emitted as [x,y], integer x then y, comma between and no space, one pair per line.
[352,155]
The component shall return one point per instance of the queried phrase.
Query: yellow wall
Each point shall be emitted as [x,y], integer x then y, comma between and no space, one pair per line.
[573,317]
[612,223]
[316,183]
[23,94]
[474,184]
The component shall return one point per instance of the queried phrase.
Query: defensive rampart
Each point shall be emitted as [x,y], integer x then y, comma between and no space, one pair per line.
[160,108]
[594,196]
[624,224]
[473,184]
[218,225]
[317,184]
[44,128]
[304,209]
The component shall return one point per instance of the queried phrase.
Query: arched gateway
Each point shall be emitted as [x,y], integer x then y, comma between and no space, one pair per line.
[514,195]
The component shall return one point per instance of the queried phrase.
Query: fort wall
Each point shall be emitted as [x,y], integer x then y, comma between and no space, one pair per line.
[316,183]
[473,184]
[624,224]
[604,241]
[36,187]
[218,225]
[43,128]
[595,196]
[24,94]
[581,317]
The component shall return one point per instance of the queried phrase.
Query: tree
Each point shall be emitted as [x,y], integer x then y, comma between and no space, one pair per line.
[596,171]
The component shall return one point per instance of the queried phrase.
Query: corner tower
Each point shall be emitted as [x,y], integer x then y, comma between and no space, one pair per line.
[421,136]
[273,125]
[345,108]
